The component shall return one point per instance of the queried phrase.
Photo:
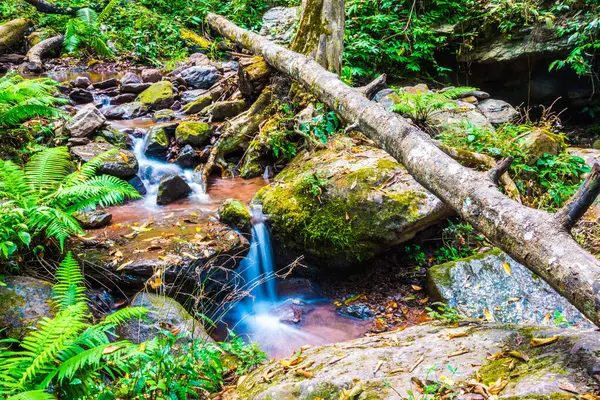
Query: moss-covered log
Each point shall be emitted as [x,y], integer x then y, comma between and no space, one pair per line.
[530,236]
[12,34]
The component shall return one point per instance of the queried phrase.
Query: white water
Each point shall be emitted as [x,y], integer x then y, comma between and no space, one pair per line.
[152,170]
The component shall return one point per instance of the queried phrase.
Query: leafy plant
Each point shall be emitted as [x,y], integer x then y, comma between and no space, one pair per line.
[84,33]
[249,356]
[41,197]
[65,353]
[443,313]
[421,106]
[313,183]
[321,126]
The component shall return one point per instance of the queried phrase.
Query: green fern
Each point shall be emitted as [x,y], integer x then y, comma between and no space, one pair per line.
[40,198]
[65,353]
[83,33]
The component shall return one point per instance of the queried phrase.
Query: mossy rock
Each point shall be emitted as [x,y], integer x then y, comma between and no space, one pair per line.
[158,96]
[157,143]
[235,214]
[198,105]
[194,133]
[346,204]
[12,33]
[222,110]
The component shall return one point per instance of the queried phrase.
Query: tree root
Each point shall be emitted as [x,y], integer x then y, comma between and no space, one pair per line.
[33,61]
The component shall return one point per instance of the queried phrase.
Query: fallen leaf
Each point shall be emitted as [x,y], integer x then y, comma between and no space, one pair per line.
[125,265]
[458,353]
[496,387]
[513,299]
[417,363]
[306,374]
[488,315]
[543,341]
[425,300]
[546,319]
[519,354]
[507,268]
[111,349]
[379,364]
[457,335]
[569,387]
[124,157]
[417,288]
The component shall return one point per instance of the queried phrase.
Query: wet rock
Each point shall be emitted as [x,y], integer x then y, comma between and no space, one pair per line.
[157,144]
[126,111]
[81,96]
[81,82]
[193,133]
[235,214]
[164,313]
[198,105]
[151,75]
[172,188]
[279,24]
[461,113]
[122,164]
[106,84]
[495,282]
[381,94]
[101,302]
[131,78]
[191,95]
[498,111]
[201,77]
[78,142]
[185,158]
[93,219]
[135,88]
[165,115]
[539,142]
[123,98]
[86,122]
[158,96]
[138,185]
[23,302]
[114,137]
[198,59]
[478,94]
[326,206]
[292,311]
[222,110]
[357,311]
[365,365]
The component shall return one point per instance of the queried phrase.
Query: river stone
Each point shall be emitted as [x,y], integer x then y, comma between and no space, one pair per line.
[478,94]
[114,137]
[165,115]
[193,133]
[106,84]
[462,113]
[81,82]
[201,77]
[138,185]
[93,219]
[151,75]
[126,111]
[86,122]
[172,188]
[157,143]
[482,282]
[23,302]
[327,205]
[123,98]
[235,214]
[131,78]
[134,88]
[383,367]
[12,33]
[123,164]
[279,24]
[191,95]
[164,313]
[222,110]
[185,158]
[158,96]
[539,142]
[198,105]
[81,96]
[498,111]
[357,311]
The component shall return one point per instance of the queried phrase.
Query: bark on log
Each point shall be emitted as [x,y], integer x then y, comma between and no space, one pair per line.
[33,61]
[12,33]
[49,8]
[320,35]
[532,237]
[370,90]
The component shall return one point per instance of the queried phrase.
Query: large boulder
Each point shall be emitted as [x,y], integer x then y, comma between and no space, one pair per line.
[123,164]
[172,188]
[81,96]
[346,204]
[461,113]
[191,95]
[126,111]
[158,96]
[497,111]
[86,122]
[131,78]
[539,142]
[279,24]
[23,302]
[151,75]
[164,313]
[235,214]
[201,77]
[12,33]
[395,365]
[222,110]
[494,283]
[193,133]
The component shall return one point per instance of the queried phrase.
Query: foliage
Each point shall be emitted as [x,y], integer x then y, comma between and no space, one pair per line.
[65,353]
[84,34]
[249,356]
[545,183]
[323,125]
[421,105]
[40,198]
[443,313]
[457,242]
[313,183]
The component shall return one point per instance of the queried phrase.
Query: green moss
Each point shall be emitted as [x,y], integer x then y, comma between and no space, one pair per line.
[198,105]
[193,133]
[324,390]
[234,213]
[158,96]
[495,369]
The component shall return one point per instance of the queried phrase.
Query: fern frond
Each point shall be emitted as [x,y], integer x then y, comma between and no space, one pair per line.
[456,92]
[89,169]
[103,191]
[110,7]
[56,223]
[33,395]
[69,288]
[20,113]
[87,15]
[125,314]
[46,169]
[13,183]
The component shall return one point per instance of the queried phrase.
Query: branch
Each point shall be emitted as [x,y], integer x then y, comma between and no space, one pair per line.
[33,61]
[500,169]
[375,86]
[48,8]
[577,206]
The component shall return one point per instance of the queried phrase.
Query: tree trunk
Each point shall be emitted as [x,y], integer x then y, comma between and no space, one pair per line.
[12,34]
[33,62]
[320,34]
[535,238]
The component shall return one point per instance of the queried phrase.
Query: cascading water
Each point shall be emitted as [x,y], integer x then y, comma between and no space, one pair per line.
[151,171]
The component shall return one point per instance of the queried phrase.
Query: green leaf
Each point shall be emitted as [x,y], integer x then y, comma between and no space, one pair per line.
[25,237]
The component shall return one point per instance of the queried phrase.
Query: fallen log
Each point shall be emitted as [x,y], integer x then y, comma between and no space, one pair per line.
[49,8]
[12,34]
[537,239]
[33,60]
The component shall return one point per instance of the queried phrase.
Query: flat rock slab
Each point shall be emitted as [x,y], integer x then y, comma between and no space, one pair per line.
[506,289]
[183,246]
[382,367]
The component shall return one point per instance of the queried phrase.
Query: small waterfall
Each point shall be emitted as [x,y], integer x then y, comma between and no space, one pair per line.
[258,266]
[151,171]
